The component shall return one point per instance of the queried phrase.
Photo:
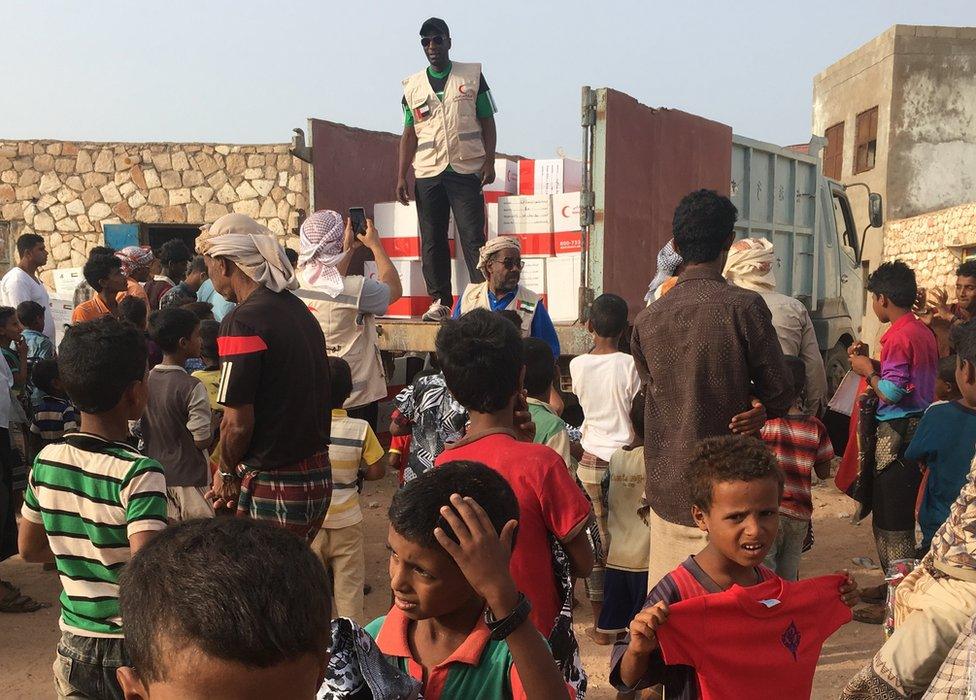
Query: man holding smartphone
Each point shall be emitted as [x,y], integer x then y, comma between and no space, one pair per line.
[449,138]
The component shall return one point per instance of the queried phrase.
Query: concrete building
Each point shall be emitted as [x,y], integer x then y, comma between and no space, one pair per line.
[72,193]
[899,114]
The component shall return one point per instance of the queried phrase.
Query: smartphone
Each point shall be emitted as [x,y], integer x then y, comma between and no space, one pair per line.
[357,217]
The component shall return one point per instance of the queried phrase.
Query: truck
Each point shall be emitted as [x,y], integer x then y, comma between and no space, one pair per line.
[638,162]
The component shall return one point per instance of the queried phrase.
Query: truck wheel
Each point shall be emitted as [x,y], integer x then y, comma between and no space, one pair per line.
[837,365]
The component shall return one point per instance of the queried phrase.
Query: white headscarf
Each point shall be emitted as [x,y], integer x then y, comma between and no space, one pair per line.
[750,265]
[251,247]
[493,246]
[321,238]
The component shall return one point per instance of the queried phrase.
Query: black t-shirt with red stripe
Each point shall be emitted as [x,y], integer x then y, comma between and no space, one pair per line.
[272,355]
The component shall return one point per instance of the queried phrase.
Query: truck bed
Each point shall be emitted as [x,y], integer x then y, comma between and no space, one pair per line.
[414,335]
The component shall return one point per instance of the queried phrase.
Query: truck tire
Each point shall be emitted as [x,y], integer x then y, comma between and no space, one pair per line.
[837,365]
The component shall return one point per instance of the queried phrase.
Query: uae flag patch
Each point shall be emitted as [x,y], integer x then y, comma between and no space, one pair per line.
[421,113]
[526,306]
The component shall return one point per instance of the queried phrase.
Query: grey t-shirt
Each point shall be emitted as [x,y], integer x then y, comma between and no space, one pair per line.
[375,298]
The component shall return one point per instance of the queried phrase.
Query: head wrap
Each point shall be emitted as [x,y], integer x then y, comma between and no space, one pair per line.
[321,250]
[493,246]
[251,247]
[750,265]
[668,262]
[134,257]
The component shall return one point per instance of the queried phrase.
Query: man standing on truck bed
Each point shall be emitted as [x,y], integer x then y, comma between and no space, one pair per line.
[449,137]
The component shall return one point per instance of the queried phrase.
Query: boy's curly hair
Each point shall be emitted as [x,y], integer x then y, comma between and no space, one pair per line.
[729,458]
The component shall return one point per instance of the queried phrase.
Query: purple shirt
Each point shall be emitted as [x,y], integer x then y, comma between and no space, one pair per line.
[909,366]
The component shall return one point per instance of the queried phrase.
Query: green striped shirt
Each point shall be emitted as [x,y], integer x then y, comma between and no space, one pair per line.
[91,496]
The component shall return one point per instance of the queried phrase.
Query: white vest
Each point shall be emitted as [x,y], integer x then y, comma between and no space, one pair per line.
[349,334]
[448,132]
[525,302]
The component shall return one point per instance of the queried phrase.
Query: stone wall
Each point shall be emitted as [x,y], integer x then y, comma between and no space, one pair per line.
[923,243]
[66,191]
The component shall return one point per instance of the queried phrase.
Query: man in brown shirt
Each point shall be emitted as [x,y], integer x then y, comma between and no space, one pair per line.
[703,350]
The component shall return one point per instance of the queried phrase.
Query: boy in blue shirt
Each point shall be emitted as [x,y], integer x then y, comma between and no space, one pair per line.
[946,439]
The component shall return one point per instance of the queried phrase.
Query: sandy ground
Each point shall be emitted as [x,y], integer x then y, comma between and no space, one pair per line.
[27,642]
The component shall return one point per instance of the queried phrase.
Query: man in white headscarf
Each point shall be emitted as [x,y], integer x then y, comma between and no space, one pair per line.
[274,383]
[500,261]
[750,266]
[346,306]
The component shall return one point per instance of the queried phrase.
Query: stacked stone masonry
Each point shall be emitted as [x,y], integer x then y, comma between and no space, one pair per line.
[923,242]
[66,191]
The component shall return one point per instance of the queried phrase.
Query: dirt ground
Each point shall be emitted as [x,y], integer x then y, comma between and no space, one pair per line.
[27,642]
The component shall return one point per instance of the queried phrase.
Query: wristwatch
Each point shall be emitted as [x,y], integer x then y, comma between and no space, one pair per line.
[504,627]
[228,475]
[872,376]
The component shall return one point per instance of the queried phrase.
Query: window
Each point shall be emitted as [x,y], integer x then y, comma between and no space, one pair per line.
[833,159]
[865,140]
[845,226]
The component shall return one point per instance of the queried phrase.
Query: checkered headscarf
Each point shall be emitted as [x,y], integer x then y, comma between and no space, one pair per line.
[321,238]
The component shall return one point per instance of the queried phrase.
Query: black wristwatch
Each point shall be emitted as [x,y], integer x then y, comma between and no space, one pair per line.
[504,627]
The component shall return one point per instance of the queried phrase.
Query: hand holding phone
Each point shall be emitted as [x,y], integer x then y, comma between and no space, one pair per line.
[357,216]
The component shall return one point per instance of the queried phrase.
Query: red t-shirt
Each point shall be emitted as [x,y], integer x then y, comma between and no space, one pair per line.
[784,640]
[549,501]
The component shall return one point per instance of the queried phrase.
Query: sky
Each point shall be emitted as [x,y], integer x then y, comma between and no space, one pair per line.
[248,72]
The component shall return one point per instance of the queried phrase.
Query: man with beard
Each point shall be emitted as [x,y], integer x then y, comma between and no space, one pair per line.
[500,260]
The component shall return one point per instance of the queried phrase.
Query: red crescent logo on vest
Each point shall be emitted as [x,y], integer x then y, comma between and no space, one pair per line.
[461,88]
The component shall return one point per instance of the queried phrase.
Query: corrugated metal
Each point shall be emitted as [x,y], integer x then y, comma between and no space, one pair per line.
[645,160]
[775,191]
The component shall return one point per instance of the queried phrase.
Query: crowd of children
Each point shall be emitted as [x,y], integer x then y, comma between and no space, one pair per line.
[502,507]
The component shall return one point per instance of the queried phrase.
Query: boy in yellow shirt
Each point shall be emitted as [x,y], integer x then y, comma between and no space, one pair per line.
[354,453]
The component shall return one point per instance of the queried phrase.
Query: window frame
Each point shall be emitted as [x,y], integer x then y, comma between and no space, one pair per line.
[865,141]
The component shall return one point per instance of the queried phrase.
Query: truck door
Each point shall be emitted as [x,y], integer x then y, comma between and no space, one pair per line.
[849,257]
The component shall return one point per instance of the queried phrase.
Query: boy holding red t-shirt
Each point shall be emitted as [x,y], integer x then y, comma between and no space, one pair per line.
[724,594]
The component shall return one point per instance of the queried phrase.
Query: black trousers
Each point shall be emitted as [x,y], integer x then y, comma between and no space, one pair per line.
[437,197]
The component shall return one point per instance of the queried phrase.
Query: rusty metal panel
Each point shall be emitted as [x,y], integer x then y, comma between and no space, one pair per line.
[651,159]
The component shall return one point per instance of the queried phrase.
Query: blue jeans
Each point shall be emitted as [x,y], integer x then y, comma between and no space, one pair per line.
[85,667]
[784,555]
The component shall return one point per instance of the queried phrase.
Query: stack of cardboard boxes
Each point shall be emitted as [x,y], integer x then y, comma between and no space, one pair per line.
[536,201]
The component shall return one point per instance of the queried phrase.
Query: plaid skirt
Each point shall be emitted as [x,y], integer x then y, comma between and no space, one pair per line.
[294,497]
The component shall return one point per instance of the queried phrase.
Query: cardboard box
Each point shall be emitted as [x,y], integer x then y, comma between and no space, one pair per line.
[66,279]
[529,218]
[493,197]
[506,177]
[399,230]
[415,299]
[491,220]
[534,275]
[566,223]
[562,287]
[62,306]
[550,176]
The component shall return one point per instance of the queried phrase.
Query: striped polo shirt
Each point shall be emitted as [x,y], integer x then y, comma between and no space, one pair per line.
[91,495]
[480,667]
[353,444]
